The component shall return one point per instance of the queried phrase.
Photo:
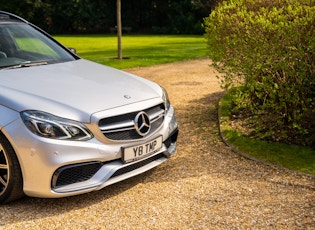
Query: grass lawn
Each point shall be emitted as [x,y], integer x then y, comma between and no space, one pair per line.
[138,50]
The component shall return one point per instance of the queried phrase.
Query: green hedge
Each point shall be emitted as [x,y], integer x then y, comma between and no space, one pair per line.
[267,47]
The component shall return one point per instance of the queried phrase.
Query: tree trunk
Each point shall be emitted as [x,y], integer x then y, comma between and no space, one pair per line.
[119,29]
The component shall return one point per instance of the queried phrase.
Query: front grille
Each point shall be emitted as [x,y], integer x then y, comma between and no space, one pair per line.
[122,127]
[75,173]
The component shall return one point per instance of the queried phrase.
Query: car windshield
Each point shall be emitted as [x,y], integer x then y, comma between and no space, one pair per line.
[23,46]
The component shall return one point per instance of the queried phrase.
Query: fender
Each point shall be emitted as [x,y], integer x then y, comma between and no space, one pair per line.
[7,116]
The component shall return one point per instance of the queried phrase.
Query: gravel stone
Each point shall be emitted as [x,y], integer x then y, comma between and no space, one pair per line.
[204,186]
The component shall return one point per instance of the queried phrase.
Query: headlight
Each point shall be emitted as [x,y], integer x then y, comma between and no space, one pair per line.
[166,100]
[50,126]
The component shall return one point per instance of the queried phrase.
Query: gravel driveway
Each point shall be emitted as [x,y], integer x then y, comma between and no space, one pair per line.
[205,186]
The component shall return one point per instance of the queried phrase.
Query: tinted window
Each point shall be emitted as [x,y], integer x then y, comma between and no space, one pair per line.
[21,43]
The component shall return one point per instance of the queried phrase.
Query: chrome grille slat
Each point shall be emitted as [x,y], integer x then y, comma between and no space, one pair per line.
[156,115]
[156,118]
[122,127]
[117,130]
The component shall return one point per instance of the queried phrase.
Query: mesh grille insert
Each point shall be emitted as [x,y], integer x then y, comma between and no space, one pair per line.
[75,173]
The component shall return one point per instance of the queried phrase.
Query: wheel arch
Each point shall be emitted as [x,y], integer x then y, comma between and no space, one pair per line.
[13,189]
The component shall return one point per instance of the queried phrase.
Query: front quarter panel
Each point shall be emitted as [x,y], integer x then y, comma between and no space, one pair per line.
[7,116]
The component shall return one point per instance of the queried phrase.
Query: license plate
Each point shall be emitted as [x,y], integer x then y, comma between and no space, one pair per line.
[137,152]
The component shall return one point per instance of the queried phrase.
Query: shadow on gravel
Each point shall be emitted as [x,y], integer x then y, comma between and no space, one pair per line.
[200,153]
[191,119]
[29,208]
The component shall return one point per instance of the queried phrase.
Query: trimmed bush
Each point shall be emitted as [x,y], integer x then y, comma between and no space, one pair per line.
[267,49]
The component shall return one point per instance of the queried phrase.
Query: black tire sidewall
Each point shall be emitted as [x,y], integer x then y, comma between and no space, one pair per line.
[14,189]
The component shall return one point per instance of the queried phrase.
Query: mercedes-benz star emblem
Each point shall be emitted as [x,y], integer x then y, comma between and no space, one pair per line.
[142,123]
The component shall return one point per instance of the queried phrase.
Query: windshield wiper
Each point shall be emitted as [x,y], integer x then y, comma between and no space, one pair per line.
[24,64]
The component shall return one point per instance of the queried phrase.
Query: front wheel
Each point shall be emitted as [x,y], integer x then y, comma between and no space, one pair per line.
[11,181]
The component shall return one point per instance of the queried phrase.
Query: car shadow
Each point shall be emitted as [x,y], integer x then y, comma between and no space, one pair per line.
[30,208]
[200,152]
[200,111]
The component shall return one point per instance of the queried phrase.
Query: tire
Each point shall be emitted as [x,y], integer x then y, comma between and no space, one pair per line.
[11,180]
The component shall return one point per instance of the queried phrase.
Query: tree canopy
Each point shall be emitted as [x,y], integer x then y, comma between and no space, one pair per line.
[99,16]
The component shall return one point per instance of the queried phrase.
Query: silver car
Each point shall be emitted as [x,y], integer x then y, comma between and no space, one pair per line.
[70,126]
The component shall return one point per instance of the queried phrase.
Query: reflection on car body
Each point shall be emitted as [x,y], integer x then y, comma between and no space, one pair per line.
[70,126]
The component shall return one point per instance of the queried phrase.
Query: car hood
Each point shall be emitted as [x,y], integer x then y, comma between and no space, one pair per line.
[73,90]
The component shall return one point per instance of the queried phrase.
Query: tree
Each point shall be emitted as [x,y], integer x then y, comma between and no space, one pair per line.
[119,29]
[99,16]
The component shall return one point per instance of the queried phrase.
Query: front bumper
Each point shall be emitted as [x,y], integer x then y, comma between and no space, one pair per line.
[59,168]
[103,174]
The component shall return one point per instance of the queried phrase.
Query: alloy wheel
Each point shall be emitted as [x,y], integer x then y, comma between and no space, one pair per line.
[4,170]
